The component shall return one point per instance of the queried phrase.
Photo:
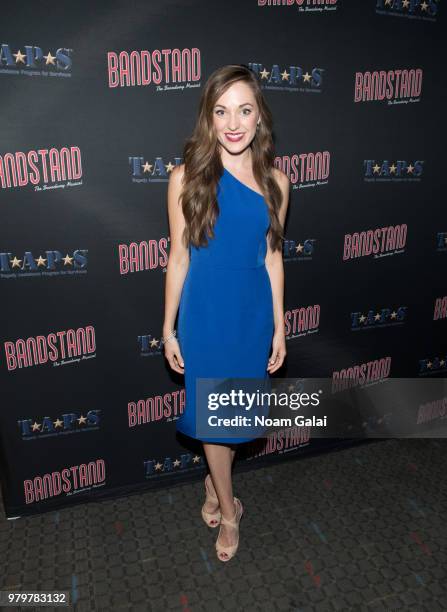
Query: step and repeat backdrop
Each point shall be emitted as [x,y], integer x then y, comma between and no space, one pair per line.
[97,102]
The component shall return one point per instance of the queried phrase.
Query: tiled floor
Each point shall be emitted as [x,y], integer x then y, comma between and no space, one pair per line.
[363,528]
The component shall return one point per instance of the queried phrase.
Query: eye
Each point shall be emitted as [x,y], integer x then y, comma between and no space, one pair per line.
[219,111]
[248,110]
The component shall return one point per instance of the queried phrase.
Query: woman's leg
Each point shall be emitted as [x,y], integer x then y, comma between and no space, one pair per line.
[210,506]
[220,459]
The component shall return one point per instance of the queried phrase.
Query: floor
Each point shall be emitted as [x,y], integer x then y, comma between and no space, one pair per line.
[363,528]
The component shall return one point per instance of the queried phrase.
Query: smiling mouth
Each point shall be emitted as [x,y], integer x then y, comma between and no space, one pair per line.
[234,136]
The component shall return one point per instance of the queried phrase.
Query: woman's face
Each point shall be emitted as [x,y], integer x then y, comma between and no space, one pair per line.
[235,116]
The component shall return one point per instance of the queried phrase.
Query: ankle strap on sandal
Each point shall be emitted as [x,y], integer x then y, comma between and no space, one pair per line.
[231,522]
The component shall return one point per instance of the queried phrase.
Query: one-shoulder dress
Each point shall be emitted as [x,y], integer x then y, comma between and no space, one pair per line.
[225,323]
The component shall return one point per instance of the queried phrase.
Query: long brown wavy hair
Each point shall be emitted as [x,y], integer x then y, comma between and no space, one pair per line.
[203,164]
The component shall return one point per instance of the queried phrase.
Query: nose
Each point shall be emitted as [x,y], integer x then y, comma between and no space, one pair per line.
[233,123]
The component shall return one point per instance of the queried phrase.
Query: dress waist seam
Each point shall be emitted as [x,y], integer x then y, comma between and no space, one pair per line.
[226,267]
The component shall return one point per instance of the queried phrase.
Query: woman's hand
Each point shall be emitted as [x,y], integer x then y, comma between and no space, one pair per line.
[174,356]
[278,351]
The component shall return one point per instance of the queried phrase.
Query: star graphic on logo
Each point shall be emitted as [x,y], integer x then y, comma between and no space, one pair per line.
[50,58]
[19,57]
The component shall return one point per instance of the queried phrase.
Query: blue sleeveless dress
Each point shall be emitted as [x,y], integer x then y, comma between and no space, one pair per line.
[225,324]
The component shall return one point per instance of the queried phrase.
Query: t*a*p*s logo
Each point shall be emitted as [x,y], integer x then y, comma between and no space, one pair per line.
[31,60]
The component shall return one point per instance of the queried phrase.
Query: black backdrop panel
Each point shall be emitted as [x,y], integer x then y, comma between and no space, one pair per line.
[84,238]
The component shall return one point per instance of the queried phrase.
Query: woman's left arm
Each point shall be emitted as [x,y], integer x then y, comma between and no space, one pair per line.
[275,269]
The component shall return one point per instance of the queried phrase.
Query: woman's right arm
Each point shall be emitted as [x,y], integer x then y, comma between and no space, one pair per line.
[177,268]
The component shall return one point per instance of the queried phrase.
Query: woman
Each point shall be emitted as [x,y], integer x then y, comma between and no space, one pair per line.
[227,206]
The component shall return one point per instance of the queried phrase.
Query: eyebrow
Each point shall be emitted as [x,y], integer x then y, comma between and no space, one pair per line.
[244,104]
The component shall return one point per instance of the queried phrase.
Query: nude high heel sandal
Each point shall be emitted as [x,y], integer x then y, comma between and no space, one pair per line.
[212,519]
[225,553]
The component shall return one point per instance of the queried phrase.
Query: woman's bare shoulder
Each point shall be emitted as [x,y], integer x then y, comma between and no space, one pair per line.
[177,174]
[281,177]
